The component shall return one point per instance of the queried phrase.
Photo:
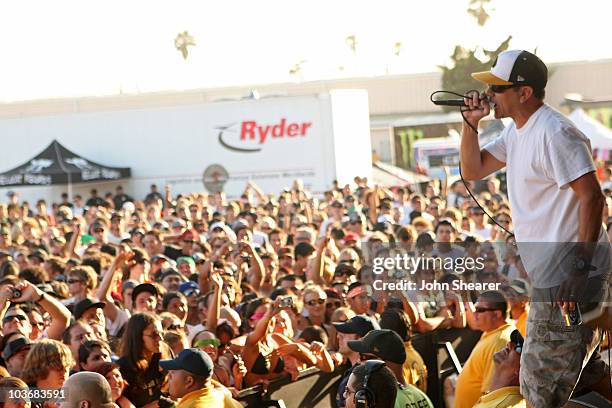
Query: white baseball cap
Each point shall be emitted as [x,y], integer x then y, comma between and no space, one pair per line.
[515,67]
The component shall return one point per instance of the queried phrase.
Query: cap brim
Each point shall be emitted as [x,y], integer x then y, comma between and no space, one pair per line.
[488,78]
[170,365]
[359,347]
[99,305]
[519,290]
[345,327]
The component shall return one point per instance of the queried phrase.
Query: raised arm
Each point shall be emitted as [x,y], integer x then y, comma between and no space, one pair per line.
[213,311]
[262,325]
[316,270]
[60,315]
[476,164]
[103,292]
[72,245]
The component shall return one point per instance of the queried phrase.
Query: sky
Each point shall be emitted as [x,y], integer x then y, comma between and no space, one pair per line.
[67,48]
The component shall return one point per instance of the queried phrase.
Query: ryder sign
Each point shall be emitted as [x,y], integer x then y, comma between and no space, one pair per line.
[271,141]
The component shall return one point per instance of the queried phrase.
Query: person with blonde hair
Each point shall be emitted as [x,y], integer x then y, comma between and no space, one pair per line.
[81,281]
[47,364]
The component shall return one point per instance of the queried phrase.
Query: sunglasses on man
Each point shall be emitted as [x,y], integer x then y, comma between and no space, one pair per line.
[504,88]
[315,302]
[8,319]
[485,309]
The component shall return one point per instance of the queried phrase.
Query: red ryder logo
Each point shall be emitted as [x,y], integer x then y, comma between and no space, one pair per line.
[248,136]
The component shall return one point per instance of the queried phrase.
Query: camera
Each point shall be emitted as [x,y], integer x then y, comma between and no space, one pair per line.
[286,302]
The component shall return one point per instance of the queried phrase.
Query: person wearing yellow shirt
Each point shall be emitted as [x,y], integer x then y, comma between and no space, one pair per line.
[190,380]
[505,390]
[518,298]
[491,313]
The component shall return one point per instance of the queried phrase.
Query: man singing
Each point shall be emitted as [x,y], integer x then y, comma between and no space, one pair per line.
[557,207]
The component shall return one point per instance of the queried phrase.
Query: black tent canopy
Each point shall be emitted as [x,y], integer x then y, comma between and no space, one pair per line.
[57,165]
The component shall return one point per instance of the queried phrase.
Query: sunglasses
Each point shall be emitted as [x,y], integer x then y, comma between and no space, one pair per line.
[503,88]
[206,342]
[70,281]
[175,327]
[484,309]
[8,319]
[315,302]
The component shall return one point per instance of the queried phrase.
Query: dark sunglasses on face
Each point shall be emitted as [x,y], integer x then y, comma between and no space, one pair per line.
[8,319]
[503,88]
[70,281]
[314,302]
[484,309]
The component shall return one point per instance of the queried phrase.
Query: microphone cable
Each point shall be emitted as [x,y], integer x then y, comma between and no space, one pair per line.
[470,94]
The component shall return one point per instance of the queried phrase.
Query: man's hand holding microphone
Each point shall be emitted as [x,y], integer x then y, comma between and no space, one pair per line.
[477,107]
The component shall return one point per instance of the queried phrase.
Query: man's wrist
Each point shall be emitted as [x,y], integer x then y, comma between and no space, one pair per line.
[581,265]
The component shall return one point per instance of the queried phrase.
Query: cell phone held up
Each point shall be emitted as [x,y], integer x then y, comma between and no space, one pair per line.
[286,302]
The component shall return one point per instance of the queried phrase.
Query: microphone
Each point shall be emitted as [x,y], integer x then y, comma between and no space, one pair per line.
[449,102]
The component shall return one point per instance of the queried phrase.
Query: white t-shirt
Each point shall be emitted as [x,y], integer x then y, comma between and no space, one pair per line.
[542,158]
[485,232]
[121,320]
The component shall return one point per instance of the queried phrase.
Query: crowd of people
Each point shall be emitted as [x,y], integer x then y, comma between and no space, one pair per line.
[187,299]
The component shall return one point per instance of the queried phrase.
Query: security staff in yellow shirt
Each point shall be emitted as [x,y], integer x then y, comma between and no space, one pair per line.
[491,313]
[518,298]
[505,390]
[190,380]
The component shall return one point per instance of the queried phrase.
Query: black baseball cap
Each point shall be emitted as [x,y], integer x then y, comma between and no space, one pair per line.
[192,360]
[360,325]
[15,346]
[385,344]
[515,67]
[144,287]
[85,305]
